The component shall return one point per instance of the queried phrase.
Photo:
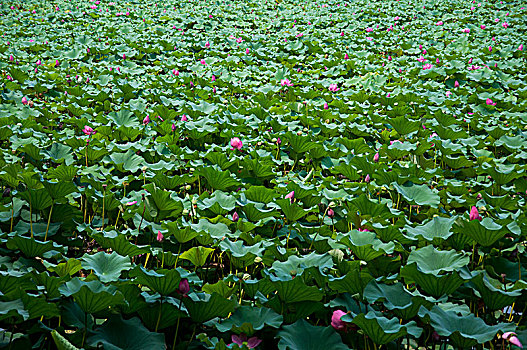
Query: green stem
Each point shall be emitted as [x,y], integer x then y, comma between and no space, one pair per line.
[49,220]
[177,325]
[159,314]
[31,218]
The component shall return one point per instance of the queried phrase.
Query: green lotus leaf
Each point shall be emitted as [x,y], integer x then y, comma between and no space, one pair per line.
[303,336]
[33,248]
[296,290]
[91,296]
[494,296]
[432,261]
[383,330]
[197,255]
[107,267]
[260,194]
[128,161]
[247,320]
[464,331]
[38,199]
[217,179]
[418,194]
[164,282]
[395,297]
[204,307]
[169,309]
[364,244]
[119,243]
[117,333]
[485,232]
[437,227]
[62,343]
[13,309]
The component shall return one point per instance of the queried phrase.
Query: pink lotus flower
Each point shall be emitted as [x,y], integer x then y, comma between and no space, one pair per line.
[336,322]
[347,57]
[285,82]
[520,48]
[333,88]
[11,58]
[235,217]
[370,29]
[184,118]
[203,62]
[504,24]
[236,143]
[490,48]
[483,26]
[184,287]
[247,51]
[88,130]
[57,63]
[440,23]
[176,72]
[456,84]
[239,40]
[331,213]
[448,93]
[421,59]
[376,157]
[213,78]
[146,120]
[241,339]
[474,214]
[159,236]
[24,100]
[512,338]
[427,66]
[367,178]
[39,63]
[490,102]
[207,44]
[124,56]
[131,203]
[466,30]
[290,196]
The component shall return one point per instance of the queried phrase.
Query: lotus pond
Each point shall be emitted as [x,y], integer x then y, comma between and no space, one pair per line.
[261,174]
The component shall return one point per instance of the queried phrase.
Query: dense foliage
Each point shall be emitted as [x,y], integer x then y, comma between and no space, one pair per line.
[241,174]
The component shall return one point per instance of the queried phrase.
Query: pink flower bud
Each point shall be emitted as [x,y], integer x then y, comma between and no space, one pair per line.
[336,322]
[236,143]
[474,214]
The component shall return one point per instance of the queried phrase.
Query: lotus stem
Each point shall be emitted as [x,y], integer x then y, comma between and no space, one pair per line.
[177,257]
[510,313]
[49,220]
[103,195]
[146,260]
[177,324]
[85,328]
[159,314]
[31,217]
[12,214]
